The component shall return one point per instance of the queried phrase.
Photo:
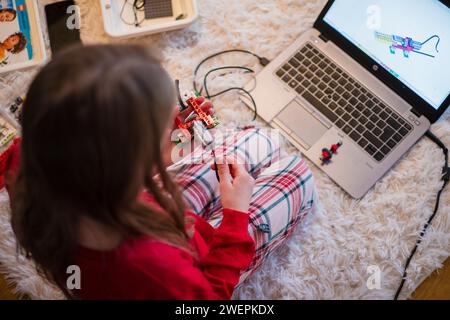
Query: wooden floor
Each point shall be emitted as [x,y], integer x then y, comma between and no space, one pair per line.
[5,291]
[435,287]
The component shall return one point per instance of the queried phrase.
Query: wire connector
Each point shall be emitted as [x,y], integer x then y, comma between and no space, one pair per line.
[263,61]
[446,174]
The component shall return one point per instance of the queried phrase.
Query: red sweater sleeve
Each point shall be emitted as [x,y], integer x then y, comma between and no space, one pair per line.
[231,251]
[171,273]
[9,165]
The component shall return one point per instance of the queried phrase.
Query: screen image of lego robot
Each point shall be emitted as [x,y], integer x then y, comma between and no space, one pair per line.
[410,38]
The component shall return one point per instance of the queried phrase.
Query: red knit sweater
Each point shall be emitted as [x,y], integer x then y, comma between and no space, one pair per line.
[148,269]
[145,268]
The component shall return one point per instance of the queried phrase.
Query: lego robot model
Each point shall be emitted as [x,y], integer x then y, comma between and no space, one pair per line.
[406,44]
[196,124]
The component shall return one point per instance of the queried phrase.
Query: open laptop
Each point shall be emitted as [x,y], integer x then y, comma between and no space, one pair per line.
[372,74]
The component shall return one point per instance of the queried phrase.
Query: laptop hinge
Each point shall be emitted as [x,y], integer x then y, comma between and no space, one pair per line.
[417,113]
[325,39]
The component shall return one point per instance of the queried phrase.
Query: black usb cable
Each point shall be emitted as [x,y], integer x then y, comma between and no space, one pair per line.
[262,61]
[445,178]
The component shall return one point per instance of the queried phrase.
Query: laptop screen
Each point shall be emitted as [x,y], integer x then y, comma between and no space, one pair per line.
[409,38]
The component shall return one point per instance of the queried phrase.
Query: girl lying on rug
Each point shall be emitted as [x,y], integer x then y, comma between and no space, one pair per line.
[93,189]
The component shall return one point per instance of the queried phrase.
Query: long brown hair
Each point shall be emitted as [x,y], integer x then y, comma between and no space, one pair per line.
[92,126]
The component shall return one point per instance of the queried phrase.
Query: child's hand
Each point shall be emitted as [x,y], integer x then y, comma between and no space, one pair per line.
[236,187]
[206,106]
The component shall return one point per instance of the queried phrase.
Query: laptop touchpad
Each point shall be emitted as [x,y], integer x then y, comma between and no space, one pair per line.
[302,123]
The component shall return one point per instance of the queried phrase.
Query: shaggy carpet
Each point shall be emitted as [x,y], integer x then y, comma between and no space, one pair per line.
[329,257]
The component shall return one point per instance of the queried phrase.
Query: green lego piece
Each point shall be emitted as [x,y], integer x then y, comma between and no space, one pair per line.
[216,121]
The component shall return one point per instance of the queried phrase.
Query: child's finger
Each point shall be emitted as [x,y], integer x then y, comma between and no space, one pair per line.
[200,100]
[184,113]
[224,174]
[206,106]
[237,170]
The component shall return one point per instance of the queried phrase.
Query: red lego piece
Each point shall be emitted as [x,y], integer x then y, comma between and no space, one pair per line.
[5,160]
[201,115]
[334,148]
[207,120]
[327,154]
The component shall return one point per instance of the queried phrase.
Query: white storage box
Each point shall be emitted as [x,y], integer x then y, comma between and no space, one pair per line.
[118,20]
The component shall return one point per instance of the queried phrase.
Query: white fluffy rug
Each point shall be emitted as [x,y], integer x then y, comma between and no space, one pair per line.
[328,258]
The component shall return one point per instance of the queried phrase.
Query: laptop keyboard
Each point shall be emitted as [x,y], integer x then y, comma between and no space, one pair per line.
[375,127]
